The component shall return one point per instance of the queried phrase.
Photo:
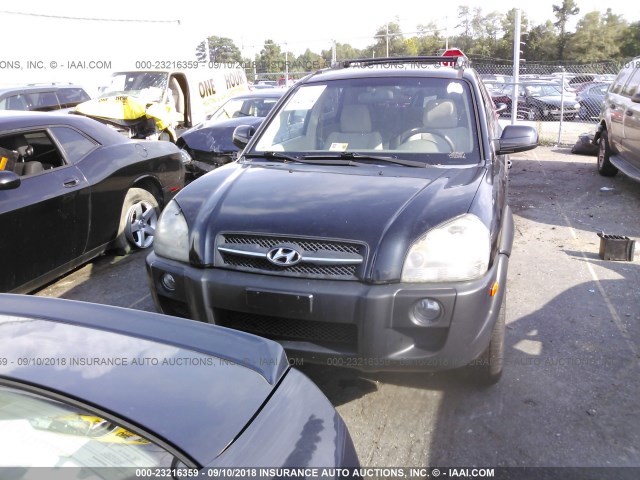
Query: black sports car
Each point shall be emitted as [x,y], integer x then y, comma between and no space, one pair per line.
[71,188]
[93,386]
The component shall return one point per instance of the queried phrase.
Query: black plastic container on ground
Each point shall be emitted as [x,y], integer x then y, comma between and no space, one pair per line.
[616,247]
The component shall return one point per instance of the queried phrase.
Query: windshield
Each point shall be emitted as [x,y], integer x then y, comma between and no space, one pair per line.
[244,107]
[149,86]
[544,90]
[419,119]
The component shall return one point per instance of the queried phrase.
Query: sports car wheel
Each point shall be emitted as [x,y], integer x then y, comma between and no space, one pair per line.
[138,221]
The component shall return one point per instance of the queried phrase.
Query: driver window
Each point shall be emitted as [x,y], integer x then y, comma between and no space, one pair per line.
[35,152]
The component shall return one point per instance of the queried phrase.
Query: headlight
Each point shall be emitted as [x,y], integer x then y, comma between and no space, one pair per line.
[172,234]
[184,156]
[454,251]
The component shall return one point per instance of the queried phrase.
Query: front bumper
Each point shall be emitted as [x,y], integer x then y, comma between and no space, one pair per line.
[342,323]
[554,112]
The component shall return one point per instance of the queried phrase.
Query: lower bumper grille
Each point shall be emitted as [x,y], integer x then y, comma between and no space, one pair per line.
[277,328]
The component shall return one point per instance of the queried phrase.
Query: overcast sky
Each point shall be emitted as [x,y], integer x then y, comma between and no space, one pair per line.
[40,30]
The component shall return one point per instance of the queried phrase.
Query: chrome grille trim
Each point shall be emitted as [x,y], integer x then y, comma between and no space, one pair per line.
[320,258]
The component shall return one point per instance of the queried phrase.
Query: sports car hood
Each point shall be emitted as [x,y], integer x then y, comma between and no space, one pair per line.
[382,207]
[216,137]
[557,100]
[135,364]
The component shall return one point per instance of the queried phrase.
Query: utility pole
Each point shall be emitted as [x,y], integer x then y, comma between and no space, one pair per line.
[387,37]
[516,69]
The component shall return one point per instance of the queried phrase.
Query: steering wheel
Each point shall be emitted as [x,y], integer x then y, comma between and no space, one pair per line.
[414,131]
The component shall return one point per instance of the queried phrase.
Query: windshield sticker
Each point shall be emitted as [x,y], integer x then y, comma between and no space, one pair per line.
[338,147]
[457,155]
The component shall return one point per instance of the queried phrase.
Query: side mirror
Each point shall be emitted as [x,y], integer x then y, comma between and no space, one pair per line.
[517,138]
[501,107]
[9,180]
[242,134]
[635,98]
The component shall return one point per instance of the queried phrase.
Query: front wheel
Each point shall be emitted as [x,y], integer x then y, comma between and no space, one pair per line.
[605,167]
[138,221]
[535,114]
[489,365]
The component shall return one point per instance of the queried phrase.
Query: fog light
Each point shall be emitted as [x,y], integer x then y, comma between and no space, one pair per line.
[425,312]
[168,282]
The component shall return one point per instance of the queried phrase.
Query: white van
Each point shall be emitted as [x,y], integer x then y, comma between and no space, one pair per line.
[155,104]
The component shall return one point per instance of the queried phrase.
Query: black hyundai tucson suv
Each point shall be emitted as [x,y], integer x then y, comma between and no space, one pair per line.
[365,223]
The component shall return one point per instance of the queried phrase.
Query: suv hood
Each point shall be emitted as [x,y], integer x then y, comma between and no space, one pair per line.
[400,203]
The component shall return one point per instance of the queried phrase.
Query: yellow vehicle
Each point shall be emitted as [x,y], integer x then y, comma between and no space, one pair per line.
[155,104]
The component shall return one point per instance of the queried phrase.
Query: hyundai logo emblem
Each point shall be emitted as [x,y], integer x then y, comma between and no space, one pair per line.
[284,256]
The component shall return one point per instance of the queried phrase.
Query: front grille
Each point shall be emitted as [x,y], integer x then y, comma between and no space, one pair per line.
[340,260]
[305,244]
[307,270]
[277,328]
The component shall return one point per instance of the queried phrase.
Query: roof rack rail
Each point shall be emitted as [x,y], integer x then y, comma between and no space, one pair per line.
[45,84]
[455,61]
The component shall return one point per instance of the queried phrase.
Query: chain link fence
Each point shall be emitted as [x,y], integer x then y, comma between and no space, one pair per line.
[563,100]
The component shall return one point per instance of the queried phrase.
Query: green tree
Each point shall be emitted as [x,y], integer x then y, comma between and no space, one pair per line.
[389,38]
[309,62]
[563,13]
[218,50]
[465,18]
[541,43]
[631,44]
[429,39]
[504,45]
[271,59]
[344,51]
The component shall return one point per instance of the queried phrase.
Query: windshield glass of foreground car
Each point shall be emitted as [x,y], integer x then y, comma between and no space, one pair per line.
[149,86]
[422,119]
[36,431]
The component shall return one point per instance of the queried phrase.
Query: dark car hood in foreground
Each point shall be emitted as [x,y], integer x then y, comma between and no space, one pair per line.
[157,372]
[216,136]
[399,203]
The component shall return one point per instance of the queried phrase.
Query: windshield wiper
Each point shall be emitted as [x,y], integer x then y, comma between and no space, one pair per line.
[361,156]
[278,155]
[320,160]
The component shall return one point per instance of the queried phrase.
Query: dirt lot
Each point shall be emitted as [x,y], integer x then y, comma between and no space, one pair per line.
[569,394]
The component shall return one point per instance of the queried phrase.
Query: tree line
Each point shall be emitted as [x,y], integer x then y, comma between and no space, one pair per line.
[598,37]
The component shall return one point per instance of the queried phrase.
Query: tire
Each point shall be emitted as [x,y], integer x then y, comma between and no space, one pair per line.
[535,114]
[605,167]
[138,221]
[488,367]
[583,114]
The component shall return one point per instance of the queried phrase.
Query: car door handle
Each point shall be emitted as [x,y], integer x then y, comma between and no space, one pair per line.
[72,182]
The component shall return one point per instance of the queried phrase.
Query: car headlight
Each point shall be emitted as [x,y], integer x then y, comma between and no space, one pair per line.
[185,157]
[456,250]
[172,234]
